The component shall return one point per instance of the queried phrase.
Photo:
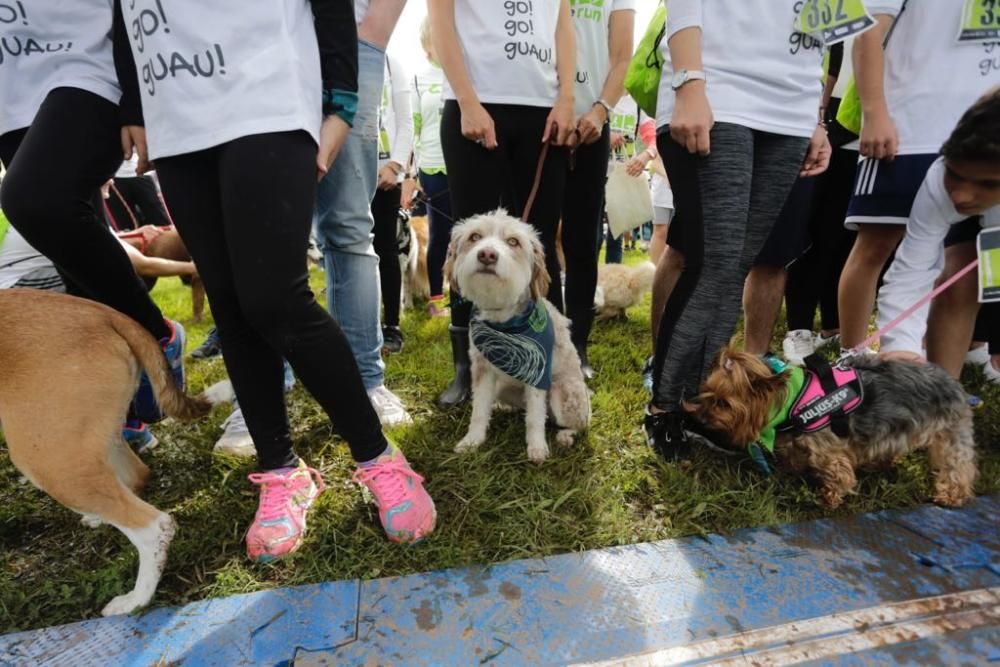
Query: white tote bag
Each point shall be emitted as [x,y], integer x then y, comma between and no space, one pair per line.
[628,201]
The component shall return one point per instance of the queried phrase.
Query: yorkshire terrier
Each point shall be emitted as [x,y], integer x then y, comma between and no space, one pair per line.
[870,413]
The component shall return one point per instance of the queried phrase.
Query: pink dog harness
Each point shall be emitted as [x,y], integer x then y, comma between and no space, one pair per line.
[828,395]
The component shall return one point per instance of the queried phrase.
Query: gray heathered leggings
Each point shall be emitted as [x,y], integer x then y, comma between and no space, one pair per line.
[726,204]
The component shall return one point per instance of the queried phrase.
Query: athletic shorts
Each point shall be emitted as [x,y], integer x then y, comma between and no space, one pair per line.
[884,191]
[965,231]
[662,215]
[789,237]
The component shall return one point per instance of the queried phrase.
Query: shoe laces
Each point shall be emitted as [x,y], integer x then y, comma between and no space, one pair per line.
[387,481]
[276,490]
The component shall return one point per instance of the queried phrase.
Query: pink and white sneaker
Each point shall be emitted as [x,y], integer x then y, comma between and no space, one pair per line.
[286,495]
[404,507]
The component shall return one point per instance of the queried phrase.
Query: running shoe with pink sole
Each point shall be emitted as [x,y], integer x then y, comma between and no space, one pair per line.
[404,506]
[286,495]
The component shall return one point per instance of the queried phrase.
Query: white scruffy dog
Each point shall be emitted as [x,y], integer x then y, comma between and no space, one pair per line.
[497,262]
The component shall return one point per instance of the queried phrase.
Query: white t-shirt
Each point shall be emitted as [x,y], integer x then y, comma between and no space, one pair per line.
[46,45]
[762,74]
[931,79]
[395,117]
[427,105]
[18,259]
[226,69]
[505,68]
[919,260]
[360,10]
[590,21]
[624,119]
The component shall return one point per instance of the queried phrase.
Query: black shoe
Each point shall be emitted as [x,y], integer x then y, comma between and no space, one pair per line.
[588,370]
[392,340]
[665,434]
[460,388]
[210,348]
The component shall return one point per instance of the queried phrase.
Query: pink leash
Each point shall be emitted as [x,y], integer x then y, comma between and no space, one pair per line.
[915,307]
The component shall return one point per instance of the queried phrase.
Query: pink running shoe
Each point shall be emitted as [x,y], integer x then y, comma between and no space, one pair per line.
[437,308]
[404,507]
[286,495]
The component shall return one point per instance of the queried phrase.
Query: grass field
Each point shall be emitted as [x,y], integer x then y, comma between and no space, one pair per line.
[609,489]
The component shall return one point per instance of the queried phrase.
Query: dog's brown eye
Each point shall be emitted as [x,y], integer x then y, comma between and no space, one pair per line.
[513,243]
[475,236]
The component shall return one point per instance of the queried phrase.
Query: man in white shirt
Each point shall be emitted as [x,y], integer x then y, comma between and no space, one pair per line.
[959,196]
[344,222]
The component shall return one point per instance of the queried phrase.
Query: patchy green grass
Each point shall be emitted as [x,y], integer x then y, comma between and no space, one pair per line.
[609,489]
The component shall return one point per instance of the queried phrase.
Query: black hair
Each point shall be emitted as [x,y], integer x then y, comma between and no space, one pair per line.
[976,138]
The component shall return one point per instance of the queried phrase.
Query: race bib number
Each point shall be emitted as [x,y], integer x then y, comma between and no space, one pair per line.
[988,247]
[833,21]
[980,21]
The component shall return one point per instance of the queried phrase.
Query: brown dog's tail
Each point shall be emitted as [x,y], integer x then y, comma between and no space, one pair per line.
[173,402]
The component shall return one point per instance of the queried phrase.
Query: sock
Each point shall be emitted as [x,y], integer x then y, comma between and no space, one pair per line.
[367,464]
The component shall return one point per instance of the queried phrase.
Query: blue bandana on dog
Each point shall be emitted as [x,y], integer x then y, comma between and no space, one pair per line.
[521,347]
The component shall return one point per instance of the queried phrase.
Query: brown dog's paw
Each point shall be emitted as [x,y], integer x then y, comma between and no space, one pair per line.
[831,498]
[951,497]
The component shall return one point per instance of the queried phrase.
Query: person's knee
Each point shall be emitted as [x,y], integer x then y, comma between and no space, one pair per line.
[23,203]
[875,244]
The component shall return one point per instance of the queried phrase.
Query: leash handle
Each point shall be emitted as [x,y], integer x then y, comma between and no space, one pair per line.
[538,181]
[916,306]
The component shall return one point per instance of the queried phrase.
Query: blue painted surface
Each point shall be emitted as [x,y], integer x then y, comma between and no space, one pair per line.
[591,606]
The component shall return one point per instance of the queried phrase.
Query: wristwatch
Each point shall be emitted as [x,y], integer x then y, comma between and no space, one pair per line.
[682,76]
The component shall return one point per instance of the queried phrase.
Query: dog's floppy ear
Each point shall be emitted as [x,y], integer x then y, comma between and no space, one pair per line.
[540,278]
[449,259]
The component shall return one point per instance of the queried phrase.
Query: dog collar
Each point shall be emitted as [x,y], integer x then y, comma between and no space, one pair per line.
[779,414]
[521,347]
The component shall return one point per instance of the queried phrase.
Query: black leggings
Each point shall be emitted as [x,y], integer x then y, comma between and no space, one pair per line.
[814,277]
[481,180]
[583,215]
[54,170]
[440,220]
[244,210]
[726,203]
[385,211]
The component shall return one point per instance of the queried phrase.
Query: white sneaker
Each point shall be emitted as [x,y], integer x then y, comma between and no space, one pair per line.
[798,345]
[389,408]
[978,356]
[991,373]
[236,440]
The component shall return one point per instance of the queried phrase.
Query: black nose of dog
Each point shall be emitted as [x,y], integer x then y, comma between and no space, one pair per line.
[487,256]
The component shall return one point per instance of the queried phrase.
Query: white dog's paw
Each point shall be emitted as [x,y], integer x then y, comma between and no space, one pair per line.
[538,452]
[504,407]
[125,604]
[468,444]
[91,520]
[564,438]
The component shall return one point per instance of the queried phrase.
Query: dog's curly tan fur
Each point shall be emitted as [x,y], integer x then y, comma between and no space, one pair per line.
[908,407]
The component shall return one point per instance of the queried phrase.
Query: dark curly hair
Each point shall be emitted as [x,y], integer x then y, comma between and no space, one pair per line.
[976,138]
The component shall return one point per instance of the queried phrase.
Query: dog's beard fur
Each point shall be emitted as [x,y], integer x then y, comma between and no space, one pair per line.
[737,397]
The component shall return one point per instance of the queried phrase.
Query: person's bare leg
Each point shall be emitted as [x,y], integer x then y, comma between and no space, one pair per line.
[762,294]
[668,271]
[952,316]
[859,280]
[657,243]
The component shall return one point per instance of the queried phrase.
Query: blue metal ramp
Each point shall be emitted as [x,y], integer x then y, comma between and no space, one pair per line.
[915,587]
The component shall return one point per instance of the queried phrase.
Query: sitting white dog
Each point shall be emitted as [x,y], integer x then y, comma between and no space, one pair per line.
[521,351]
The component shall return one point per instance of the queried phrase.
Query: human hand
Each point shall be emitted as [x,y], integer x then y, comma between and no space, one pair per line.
[560,123]
[134,138]
[477,125]
[387,177]
[692,118]
[617,140]
[332,135]
[903,355]
[879,137]
[148,233]
[591,124]
[409,189]
[818,156]
[636,165]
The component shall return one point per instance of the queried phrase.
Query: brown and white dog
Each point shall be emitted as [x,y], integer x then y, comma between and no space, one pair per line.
[413,239]
[77,363]
[906,406]
[619,287]
[169,245]
[497,262]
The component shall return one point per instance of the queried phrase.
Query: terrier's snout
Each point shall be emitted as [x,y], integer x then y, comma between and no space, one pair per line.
[487,256]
